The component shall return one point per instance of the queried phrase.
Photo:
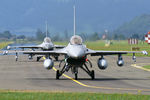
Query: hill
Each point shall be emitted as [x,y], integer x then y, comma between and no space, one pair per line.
[139,25]
[26,16]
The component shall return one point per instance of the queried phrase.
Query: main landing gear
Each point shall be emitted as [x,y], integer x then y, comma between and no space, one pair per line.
[56,58]
[57,74]
[38,58]
[74,68]
[16,57]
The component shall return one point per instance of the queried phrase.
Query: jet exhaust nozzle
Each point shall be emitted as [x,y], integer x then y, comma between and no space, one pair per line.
[102,63]
[48,64]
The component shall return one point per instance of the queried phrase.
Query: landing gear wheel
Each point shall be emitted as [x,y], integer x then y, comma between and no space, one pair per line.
[16,58]
[76,76]
[56,58]
[38,58]
[57,74]
[92,75]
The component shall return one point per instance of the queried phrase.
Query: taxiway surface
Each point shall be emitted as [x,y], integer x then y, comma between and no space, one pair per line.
[32,76]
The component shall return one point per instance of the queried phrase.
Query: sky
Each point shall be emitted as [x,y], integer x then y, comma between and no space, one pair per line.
[26,16]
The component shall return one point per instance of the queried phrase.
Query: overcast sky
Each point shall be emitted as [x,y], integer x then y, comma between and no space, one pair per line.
[25,16]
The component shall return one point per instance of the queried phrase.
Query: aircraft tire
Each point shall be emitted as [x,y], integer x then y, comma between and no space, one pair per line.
[37,59]
[57,74]
[56,58]
[76,76]
[92,75]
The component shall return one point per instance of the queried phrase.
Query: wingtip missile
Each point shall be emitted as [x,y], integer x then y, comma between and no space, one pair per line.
[5,52]
[145,52]
[8,47]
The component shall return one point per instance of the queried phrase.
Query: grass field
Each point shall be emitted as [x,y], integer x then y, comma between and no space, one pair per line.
[4,44]
[147,66]
[121,45]
[69,96]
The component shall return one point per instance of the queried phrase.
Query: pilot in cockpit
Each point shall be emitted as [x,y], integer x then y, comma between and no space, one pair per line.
[76,40]
[47,40]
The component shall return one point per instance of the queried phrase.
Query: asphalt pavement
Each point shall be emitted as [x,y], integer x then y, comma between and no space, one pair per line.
[29,75]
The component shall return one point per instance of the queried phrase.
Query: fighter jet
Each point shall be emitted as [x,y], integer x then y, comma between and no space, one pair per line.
[47,45]
[76,57]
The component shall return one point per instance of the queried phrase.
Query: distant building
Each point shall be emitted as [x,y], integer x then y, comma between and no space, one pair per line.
[132,41]
[147,38]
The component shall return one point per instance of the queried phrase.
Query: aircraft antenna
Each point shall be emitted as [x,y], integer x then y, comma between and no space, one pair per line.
[74,19]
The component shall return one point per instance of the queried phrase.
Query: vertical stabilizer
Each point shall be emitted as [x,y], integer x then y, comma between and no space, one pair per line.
[46,28]
[74,20]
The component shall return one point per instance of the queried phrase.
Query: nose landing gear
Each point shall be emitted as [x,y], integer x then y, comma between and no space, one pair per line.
[74,68]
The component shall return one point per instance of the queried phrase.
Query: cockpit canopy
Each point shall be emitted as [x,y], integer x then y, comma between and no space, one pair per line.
[47,40]
[76,40]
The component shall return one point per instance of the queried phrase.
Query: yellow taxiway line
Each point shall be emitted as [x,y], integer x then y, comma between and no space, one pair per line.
[140,67]
[98,87]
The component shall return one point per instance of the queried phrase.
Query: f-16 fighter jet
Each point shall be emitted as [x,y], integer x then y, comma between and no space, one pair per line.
[76,57]
[47,45]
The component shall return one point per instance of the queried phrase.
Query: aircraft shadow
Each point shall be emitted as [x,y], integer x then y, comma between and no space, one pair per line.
[87,79]
[111,79]
[36,61]
[47,79]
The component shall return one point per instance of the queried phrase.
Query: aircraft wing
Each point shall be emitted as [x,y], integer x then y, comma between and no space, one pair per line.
[97,53]
[43,52]
[31,47]
[54,52]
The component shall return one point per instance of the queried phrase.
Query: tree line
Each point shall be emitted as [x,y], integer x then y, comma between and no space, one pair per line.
[65,36]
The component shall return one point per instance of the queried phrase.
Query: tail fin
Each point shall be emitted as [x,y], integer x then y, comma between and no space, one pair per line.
[74,20]
[46,28]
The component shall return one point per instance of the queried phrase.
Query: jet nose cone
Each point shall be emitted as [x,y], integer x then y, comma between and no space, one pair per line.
[48,46]
[76,53]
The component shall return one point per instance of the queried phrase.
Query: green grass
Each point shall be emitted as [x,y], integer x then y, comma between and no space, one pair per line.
[116,45]
[61,43]
[147,66]
[69,96]
[4,44]
[121,45]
